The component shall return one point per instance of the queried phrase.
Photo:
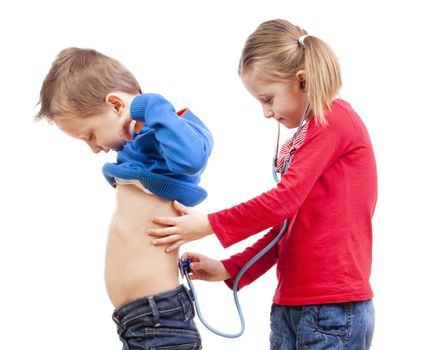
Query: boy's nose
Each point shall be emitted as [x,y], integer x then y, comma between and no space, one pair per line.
[95,149]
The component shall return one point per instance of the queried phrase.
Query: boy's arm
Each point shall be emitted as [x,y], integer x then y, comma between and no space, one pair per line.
[235,262]
[185,142]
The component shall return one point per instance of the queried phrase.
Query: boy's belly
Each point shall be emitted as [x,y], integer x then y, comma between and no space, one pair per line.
[135,268]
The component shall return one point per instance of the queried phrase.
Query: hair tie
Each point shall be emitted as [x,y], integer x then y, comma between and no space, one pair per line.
[302,40]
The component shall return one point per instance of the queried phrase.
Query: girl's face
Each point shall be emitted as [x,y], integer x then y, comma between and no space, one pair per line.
[283,101]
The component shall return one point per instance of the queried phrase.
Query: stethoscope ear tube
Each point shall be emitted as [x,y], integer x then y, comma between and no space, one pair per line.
[276,152]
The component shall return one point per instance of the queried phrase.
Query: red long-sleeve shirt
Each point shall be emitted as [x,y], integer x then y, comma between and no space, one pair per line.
[328,194]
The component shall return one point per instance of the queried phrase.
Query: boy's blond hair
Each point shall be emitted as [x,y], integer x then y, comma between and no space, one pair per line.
[79,81]
[275,53]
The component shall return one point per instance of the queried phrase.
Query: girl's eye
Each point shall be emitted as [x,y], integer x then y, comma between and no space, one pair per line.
[268,100]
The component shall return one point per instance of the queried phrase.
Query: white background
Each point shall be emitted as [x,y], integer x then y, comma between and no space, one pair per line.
[56,205]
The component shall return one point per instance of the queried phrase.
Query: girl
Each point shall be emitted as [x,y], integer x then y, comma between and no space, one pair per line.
[328,192]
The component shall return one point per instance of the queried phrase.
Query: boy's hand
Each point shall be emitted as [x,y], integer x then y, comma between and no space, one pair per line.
[128,125]
[206,269]
[177,230]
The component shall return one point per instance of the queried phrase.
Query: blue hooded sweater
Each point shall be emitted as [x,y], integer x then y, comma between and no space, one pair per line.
[168,155]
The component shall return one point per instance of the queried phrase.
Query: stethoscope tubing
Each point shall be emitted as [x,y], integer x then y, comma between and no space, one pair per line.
[257,256]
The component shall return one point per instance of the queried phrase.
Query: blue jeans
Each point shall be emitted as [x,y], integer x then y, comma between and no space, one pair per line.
[159,322]
[344,326]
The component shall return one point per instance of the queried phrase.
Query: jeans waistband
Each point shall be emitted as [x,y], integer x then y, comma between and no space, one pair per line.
[151,305]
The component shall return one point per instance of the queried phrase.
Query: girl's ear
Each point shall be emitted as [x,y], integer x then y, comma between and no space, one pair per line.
[301,78]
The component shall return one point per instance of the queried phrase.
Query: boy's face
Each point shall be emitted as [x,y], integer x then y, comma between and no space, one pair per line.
[102,131]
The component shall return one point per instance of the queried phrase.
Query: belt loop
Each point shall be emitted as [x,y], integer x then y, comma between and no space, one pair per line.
[155,313]
[189,293]
[186,299]
[119,326]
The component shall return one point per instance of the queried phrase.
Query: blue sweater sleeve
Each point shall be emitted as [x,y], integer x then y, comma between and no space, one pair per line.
[185,142]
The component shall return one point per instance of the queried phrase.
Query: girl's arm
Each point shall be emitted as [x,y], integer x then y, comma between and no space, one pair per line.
[322,146]
[207,269]
[235,262]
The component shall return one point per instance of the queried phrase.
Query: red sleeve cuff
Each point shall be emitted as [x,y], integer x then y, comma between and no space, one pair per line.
[233,270]
[218,231]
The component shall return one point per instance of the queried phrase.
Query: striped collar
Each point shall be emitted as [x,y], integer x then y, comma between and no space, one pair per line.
[290,147]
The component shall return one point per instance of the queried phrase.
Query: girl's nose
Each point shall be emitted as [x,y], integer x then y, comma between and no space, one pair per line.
[268,113]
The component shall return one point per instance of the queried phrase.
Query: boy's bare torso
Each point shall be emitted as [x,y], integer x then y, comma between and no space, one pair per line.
[134,267]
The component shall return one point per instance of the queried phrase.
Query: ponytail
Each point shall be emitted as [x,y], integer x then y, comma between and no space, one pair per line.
[323,78]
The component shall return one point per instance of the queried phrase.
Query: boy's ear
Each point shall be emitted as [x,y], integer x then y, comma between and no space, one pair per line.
[116,102]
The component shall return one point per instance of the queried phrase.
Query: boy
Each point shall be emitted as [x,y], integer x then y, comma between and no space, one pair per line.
[94,98]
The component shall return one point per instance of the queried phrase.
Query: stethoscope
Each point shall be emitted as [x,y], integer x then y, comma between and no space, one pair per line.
[184,264]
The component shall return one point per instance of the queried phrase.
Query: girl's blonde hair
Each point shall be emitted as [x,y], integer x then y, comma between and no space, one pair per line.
[275,53]
[79,81]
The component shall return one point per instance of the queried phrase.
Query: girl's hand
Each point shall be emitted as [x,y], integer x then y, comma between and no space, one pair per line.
[204,268]
[127,125]
[176,231]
